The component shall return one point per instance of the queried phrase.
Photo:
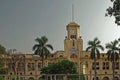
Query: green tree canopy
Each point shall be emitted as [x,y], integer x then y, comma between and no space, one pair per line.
[61,67]
[114,10]
[3,70]
[94,47]
[113,53]
[42,48]
[2,49]
[113,50]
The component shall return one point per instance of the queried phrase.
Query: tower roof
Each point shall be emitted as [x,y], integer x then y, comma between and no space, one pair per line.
[73,23]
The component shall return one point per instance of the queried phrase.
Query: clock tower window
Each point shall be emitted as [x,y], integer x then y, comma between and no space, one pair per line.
[73,37]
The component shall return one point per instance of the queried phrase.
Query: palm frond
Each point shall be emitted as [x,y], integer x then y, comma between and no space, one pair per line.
[90,43]
[94,47]
[118,39]
[100,47]
[113,50]
[38,40]
[42,48]
[44,39]
[35,47]
[36,52]
[88,48]
[95,39]
[98,53]
[49,46]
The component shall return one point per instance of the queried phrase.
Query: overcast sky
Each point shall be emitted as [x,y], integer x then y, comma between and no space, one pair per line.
[21,21]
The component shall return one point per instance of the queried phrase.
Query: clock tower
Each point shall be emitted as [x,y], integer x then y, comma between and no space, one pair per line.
[73,44]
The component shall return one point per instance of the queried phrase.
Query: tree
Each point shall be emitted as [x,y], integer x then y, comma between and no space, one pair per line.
[61,67]
[2,49]
[114,11]
[94,47]
[14,60]
[42,48]
[3,69]
[113,53]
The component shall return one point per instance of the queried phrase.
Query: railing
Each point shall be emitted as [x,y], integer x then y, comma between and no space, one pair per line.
[59,77]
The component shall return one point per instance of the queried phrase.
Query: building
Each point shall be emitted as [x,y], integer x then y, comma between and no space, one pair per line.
[73,51]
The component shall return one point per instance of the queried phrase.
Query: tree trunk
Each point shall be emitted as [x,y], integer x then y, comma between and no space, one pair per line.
[14,68]
[95,74]
[42,58]
[113,67]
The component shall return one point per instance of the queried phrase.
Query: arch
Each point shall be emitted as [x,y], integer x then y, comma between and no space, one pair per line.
[42,77]
[61,56]
[73,56]
[96,78]
[105,78]
[116,78]
[31,78]
[39,78]
[86,56]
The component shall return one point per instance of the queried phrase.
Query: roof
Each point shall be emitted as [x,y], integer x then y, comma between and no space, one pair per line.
[73,23]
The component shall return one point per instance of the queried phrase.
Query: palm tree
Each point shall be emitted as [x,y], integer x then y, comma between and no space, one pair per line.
[113,53]
[94,47]
[42,48]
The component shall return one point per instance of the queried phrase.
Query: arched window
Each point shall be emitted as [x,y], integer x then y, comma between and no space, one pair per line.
[31,78]
[116,78]
[105,78]
[86,56]
[73,56]
[39,78]
[96,78]
[61,56]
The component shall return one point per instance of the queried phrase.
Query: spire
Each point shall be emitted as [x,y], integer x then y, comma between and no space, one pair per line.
[72,12]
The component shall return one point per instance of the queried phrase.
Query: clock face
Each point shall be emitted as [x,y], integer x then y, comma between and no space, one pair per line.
[73,50]
[73,31]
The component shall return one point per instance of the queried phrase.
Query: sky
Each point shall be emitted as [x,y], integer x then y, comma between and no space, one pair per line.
[21,21]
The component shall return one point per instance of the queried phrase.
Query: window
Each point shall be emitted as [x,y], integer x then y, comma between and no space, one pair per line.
[105,65]
[73,36]
[86,64]
[116,65]
[52,55]
[116,78]
[39,66]
[21,66]
[97,65]
[10,66]
[102,55]
[10,73]
[96,78]
[105,78]
[30,66]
